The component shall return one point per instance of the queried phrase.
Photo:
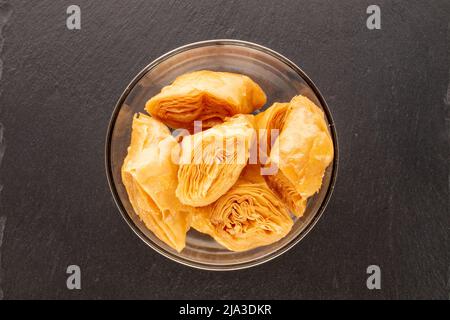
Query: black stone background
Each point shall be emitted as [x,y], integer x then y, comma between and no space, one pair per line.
[387,89]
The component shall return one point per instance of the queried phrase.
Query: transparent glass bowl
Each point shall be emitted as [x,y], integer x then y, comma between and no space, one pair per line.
[280,79]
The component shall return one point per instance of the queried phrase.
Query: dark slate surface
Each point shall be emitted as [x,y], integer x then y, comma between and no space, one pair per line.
[388,91]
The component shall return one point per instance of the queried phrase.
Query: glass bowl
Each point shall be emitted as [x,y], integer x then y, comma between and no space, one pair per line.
[280,78]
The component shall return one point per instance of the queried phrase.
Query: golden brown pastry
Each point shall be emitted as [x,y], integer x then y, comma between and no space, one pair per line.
[285,190]
[249,215]
[212,160]
[150,178]
[269,125]
[207,96]
[302,151]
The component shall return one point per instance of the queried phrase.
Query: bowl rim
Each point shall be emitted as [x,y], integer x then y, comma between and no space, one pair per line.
[195,264]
